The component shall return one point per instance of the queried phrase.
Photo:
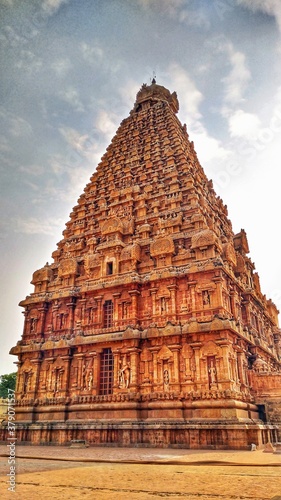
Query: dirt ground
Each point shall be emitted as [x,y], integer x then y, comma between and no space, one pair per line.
[140,474]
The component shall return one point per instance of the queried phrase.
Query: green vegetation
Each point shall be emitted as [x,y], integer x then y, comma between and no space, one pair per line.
[7,382]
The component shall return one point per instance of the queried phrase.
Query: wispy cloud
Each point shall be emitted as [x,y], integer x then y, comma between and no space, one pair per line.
[72,97]
[129,90]
[178,10]
[58,164]
[5,147]
[19,127]
[28,61]
[106,122]
[169,7]
[33,225]
[9,3]
[34,169]
[61,67]
[73,138]
[52,6]
[190,96]
[270,7]
[195,17]
[92,54]
[14,125]
[190,99]
[239,77]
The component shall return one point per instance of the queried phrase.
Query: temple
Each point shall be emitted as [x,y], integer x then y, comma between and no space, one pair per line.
[149,328]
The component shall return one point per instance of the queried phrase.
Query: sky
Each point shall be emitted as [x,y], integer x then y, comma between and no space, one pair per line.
[70,71]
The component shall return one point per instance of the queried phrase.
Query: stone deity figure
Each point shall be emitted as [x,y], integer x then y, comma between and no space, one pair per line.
[124,374]
[206,298]
[90,380]
[212,374]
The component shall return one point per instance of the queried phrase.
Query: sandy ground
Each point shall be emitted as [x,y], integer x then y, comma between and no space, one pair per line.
[140,474]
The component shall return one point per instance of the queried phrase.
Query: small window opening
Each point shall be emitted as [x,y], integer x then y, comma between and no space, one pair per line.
[109,268]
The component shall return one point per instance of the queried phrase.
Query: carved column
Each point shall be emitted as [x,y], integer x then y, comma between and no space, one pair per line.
[99,311]
[97,372]
[175,352]
[173,289]
[19,364]
[134,362]
[146,357]
[155,379]
[80,367]
[116,316]
[116,358]
[240,367]
[196,347]
[36,363]
[54,315]
[218,281]
[26,322]
[67,359]
[232,303]
[71,306]
[82,311]
[153,297]
[43,311]
[192,293]
[134,294]
[246,304]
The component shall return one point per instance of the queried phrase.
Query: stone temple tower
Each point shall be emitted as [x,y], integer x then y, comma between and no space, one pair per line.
[149,328]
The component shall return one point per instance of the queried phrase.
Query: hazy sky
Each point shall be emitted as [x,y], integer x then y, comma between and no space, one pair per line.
[70,72]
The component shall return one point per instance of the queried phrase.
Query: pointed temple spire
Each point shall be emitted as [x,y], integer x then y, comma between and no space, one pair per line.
[151,310]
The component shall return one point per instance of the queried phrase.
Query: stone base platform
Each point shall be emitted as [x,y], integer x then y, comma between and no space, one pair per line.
[162,434]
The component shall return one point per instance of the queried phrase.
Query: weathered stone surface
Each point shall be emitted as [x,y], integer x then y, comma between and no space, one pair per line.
[150,326]
[269,448]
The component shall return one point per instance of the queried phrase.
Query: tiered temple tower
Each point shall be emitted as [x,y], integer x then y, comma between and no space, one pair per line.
[150,326]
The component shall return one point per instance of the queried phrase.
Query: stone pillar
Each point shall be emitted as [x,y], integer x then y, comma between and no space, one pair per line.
[83,307]
[134,314]
[218,281]
[67,359]
[36,363]
[99,311]
[116,316]
[240,367]
[54,316]
[155,380]
[175,352]
[97,371]
[192,293]
[134,364]
[19,364]
[153,297]
[80,368]
[246,303]
[71,306]
[232,303]
[224,375]
[116,358]
[173,289]
[26,322]
[41,325]
[196,347]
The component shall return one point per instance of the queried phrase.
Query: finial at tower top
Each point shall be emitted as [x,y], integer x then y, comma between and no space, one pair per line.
[154,93]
